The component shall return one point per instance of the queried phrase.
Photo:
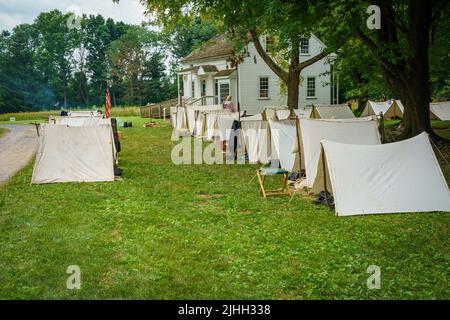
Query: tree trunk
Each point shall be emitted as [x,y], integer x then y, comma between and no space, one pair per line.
[416,98]
[408,77]
[293,80]
[293,88]
[65,95]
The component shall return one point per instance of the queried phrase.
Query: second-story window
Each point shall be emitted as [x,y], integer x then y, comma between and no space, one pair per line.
[268,44]
[304,46]
[264,87]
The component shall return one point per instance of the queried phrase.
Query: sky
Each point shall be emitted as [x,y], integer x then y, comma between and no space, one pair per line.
[14,12]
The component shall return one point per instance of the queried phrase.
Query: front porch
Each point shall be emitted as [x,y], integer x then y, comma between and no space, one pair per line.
[206,85]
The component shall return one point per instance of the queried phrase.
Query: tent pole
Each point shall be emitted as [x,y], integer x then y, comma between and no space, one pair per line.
[324,175]
[297,129]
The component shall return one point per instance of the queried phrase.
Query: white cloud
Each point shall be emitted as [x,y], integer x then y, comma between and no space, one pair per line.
[14,12]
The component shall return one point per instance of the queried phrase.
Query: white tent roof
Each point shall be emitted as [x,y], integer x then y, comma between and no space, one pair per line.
[271,111]
[206,108]
[400,105]
[79,121]
[312,131]
[440,110]
[388,108]
[375,108]
[283,114]
[84,113]
[340,111]
[390,178]
[303,112]
[74,154]
[300,113]
[252,118]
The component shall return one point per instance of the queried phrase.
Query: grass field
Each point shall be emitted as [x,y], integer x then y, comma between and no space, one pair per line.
[3,131]
[202,231]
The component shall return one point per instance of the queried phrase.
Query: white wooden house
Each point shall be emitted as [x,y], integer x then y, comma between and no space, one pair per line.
[208,72]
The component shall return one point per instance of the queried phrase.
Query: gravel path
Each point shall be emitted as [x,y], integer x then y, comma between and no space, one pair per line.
[17,147]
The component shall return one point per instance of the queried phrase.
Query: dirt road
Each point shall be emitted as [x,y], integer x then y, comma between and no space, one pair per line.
[17,147]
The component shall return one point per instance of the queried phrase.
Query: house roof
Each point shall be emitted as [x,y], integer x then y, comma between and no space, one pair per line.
[219,46]
[224,73]
[188,69]
[206,69]
[209,68]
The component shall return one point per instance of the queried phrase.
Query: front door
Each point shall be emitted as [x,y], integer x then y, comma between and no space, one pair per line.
[224,89]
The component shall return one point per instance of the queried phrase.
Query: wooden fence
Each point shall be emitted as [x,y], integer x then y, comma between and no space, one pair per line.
[157,110]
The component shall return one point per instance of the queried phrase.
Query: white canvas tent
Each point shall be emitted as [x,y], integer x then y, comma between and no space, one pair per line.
[192,114]
[74,154]
[300,113]
[206,122]
[390,178]
[256,137]
[390,109]
[284,137]
[255,117]
[173,116]
[338,111]
[84,113]
[312,131]
[79,121]
[272,111]
[181,119]
[303,112]
[440,111]
[400,106]
[224,125]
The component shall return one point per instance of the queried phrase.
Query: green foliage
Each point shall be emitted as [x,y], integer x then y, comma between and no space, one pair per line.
[187,35]
[3,131]
[47,64]
[359,73]
[440,59]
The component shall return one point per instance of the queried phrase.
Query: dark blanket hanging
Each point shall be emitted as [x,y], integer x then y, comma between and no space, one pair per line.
[233,142]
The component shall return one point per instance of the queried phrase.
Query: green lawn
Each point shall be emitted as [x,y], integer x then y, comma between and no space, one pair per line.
[3,131]
[201,231]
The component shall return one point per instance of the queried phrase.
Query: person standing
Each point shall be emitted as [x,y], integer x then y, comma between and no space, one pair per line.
[228,104]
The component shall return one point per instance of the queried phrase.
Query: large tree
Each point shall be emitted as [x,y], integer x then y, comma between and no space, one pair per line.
[55,51]
[400,46]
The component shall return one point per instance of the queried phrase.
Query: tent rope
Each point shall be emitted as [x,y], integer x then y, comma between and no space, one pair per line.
[439,151]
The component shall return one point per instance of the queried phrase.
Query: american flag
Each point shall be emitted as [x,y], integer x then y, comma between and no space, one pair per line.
[108,104]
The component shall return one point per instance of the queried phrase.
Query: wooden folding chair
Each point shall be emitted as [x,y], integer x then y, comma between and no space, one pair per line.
[263,172]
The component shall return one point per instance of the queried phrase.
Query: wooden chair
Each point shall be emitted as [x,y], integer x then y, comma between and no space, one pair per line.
[263,172]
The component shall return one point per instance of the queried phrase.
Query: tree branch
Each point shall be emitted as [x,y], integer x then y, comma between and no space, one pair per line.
[394,70]
[312,60]
[267,59]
